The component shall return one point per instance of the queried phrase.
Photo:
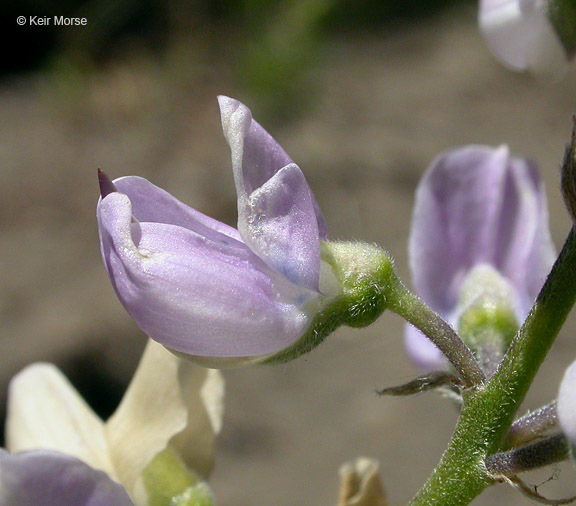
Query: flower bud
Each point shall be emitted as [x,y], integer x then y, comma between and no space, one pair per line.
[360,484]
[487,317]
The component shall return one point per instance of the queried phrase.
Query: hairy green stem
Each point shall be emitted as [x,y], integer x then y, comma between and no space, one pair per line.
[488,412]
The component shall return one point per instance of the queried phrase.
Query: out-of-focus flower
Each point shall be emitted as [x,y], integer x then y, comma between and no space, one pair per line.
[360,484]
[479,237]
[566,404]
[204,289]
[522,34]
[46,478]
[171,412]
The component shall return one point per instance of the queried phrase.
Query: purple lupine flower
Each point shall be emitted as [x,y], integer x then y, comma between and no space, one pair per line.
[520,33]
[46,478]
[477,209]
[202,288]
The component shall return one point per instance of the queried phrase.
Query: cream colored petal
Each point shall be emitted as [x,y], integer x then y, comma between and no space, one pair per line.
[360,484]
[170,401]
[46,412]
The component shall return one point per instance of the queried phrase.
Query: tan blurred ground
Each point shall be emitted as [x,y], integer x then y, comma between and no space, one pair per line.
[387,106]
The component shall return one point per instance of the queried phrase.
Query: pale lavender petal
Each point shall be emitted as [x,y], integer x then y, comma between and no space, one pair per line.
[256,156]
[503,24]
[524,251]
[521,36]
[153,204]
[543,252]
[453,221]
[423,352]
[476,205]
[566,406]
[46,478]
[279,225]
[191,294]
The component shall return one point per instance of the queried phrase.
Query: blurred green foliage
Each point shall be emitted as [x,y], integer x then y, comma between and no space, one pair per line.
[274,48]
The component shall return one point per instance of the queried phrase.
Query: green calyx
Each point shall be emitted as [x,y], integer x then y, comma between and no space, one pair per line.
[487,322]
[364,274]
[563,17]
[169,482]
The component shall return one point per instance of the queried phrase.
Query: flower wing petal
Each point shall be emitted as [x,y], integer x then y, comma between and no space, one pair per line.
[46,478]
[193,295]
[46,412]
[278,224]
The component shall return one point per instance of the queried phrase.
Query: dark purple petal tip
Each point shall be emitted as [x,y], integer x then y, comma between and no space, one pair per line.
[106,185]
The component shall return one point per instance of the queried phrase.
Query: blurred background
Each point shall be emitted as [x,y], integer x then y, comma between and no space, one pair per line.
[363,94]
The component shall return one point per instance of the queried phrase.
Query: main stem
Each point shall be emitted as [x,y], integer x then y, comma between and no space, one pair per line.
[488,412]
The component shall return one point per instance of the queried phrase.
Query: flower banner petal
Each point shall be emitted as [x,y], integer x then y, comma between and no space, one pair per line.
[453,223]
